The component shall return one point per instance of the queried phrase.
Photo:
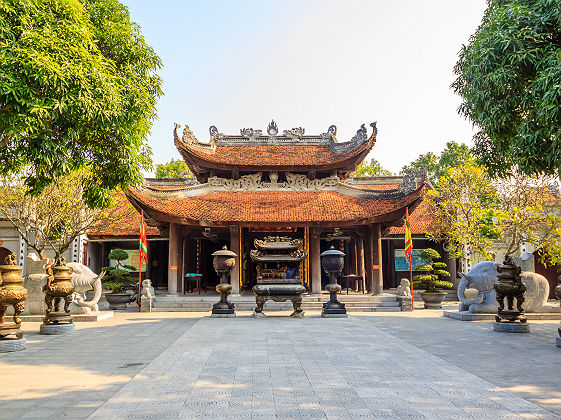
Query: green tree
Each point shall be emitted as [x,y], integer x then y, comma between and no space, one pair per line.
[118,276]
[78,88]
[431,274]
[58,215]
[374,168]
[453,155]
[463,206]
[173,169]
[509,76]
[427,161]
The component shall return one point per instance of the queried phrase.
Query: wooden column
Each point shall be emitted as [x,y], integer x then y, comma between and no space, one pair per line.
[378,277]
[369,258]
[173,257]
[315,261]
[235,247]
[148,272]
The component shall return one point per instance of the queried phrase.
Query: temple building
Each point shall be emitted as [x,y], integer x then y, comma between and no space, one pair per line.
[254,185]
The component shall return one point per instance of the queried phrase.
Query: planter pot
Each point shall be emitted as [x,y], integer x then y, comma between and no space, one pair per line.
[433,300]
[118,301]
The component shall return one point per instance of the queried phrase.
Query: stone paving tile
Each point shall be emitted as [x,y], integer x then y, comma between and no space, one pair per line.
[73,375]
[331,368]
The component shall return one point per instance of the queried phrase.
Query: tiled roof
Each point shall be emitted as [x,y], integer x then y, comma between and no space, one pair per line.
[275,155]
[273,206]
[420,220]
[127,225]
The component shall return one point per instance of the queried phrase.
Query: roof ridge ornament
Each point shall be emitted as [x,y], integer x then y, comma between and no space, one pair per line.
[361,135]
[250,133]
[408,183]
[331,132]
[272,130]
[295,133]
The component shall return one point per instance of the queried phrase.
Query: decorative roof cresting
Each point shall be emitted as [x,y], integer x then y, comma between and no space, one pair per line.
[296,135]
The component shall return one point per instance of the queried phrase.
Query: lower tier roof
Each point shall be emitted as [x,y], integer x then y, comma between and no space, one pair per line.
[274,207]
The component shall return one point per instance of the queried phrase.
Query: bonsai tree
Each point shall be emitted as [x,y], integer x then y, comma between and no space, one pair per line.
[117,278]
[431,274]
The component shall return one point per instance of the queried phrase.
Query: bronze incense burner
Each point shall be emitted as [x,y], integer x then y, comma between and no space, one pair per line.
[333,262]
[59,288]
[223,262]
[509,285]
[12,293]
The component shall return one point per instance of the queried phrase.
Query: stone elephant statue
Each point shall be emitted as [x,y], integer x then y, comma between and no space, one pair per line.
[482,277]
[83,280]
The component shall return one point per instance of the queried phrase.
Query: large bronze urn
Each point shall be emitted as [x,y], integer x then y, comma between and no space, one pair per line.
[509,285]
[223,262]
[333,262]
[12,293]
[58,290]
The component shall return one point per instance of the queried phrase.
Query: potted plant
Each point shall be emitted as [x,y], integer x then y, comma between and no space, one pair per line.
[429,279]
[117,279]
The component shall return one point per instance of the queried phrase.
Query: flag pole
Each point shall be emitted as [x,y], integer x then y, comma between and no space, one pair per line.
[139,277]
[140,258]
[411,277]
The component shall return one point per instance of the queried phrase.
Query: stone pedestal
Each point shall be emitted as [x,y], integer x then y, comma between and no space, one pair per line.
[145,304]
[405,303]
[56,329]
[216,315]
[511,327]
[9,345]
[35,302]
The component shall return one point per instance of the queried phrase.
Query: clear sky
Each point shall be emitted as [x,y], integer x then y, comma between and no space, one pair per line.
[310,64]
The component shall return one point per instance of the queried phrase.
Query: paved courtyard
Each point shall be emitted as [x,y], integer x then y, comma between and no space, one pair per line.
[184,365]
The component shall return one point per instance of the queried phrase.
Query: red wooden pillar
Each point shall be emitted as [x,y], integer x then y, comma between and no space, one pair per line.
[235,237]
[369,258]
[315,261]
[173,257]
[378,277]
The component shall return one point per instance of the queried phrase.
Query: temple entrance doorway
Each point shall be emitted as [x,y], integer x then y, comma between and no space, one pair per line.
[249,268]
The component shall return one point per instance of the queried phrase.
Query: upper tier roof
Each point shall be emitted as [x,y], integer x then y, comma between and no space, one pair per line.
[291,151]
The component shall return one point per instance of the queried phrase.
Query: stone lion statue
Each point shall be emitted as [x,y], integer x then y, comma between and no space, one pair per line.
[404,288]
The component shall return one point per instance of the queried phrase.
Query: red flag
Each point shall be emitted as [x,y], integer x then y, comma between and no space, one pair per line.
[408,240]
[143,246]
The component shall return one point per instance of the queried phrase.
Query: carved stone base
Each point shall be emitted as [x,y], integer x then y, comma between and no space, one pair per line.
[328,315]
[405,303]
[296,303]
[232,315]
[56,329]
[8,345]
[223,308]
[511,327]
[58,318]
[8,329]
[512,316]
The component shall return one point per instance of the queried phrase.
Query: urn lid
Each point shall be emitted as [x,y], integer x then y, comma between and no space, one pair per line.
[332,252]
[224,252]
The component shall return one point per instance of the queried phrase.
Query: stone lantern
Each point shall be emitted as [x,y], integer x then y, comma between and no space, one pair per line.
[58,290]
[12,293]
[223,262]
[333,262]
[509,285]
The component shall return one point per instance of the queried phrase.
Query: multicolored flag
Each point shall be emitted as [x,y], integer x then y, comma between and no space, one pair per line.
[143,246]
[408,241]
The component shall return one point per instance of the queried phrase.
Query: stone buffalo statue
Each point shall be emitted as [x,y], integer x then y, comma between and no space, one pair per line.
[482,277]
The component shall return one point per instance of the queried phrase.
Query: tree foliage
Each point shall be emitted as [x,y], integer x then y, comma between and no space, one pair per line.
[527,212]
[57,216]
[78,88]
[463,206]
[453,155]
[431,274]
[173,169]
[475,214]
[118,276]
[509,76]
